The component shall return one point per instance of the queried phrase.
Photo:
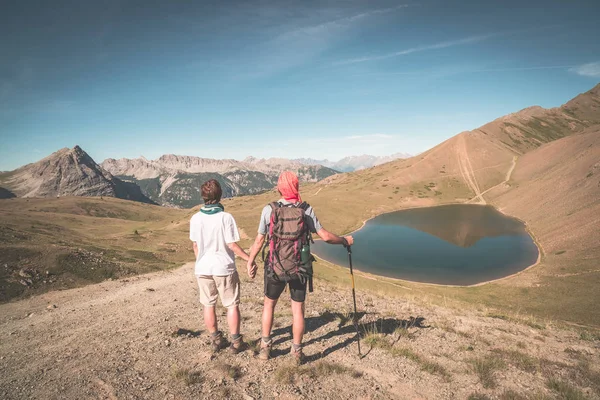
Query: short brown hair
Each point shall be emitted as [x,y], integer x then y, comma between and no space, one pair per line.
[211,191]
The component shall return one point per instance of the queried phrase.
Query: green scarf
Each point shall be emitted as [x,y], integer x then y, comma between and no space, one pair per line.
[212,208]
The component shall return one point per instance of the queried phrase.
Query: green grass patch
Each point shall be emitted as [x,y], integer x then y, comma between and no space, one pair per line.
[478,396]
[485,368]
[520,360]
[565,390]
[188,376]
[589,336]
[378,340]
[512,395]
[529,322]
[290,373]
[426,365]
[232,371]
[434,368]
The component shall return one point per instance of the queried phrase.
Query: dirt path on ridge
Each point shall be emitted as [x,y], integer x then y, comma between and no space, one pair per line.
[506,179]
[466,170]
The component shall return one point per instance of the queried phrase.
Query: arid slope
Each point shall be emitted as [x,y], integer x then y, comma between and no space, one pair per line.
[143,338]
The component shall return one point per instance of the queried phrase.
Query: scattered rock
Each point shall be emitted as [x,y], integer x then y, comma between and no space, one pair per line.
[51,306]
[25,273]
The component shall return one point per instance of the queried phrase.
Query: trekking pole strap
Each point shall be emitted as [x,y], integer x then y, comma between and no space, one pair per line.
[346,245]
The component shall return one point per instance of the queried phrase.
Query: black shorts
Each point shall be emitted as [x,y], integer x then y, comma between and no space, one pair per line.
[273,289]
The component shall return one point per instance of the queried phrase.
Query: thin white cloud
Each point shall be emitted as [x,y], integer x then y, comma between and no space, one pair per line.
[299,42]
[436,46]
[590,70]
[327,27]
[451,70]
[523,68]
[443,45]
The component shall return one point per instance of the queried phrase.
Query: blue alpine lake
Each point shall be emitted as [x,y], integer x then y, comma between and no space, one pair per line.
[449,245]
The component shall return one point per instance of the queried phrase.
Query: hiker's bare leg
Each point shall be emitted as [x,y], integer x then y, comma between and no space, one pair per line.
[210,318]
[298,321]
[233,319]
[267,316]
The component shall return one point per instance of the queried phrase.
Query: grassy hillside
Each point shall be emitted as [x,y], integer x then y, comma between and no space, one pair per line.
[554,189]
[50,244]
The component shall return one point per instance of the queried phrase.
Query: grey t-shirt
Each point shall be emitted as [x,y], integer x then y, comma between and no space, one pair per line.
[313,222]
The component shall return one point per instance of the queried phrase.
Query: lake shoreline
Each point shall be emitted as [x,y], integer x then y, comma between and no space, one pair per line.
[378,277]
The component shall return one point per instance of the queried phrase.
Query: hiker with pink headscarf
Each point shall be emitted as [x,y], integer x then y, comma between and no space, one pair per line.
[287,226]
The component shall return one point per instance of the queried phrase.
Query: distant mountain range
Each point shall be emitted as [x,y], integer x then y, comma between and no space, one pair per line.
[170,180]
[174,180]
[354,163]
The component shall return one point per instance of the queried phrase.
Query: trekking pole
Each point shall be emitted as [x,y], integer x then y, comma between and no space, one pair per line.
[354,319]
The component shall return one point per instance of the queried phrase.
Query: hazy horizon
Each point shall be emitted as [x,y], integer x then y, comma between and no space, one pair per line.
[99,161]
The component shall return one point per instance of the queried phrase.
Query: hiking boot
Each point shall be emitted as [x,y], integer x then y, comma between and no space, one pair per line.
[217,342]
[298,355]
[237,345]
[265,350]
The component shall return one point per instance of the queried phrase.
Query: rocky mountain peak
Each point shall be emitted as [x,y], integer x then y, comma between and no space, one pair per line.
[67,172]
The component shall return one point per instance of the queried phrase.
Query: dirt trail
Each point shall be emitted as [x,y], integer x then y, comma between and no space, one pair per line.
[506,179]
[466,170]
[116,340]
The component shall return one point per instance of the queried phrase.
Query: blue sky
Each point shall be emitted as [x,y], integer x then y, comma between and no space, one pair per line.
[320,79]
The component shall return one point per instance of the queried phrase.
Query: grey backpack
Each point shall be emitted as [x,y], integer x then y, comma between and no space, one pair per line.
[288,243]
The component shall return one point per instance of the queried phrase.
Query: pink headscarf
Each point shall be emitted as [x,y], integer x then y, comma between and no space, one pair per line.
[288,187]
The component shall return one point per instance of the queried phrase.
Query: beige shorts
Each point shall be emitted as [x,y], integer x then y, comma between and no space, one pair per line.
[225,287]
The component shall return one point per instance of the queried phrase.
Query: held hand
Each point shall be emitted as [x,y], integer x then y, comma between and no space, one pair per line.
[349,240]
[251,267]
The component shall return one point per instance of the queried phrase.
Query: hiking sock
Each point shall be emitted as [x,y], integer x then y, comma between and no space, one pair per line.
[215,335]
[266,339]
[297,347]
[235,337]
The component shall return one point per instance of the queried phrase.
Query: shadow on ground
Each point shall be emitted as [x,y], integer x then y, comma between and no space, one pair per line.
[345,327]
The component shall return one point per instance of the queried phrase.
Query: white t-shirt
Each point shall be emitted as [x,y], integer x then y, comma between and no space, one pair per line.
[212,233]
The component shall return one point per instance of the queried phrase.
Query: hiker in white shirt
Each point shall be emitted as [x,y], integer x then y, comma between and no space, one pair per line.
[214,234]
